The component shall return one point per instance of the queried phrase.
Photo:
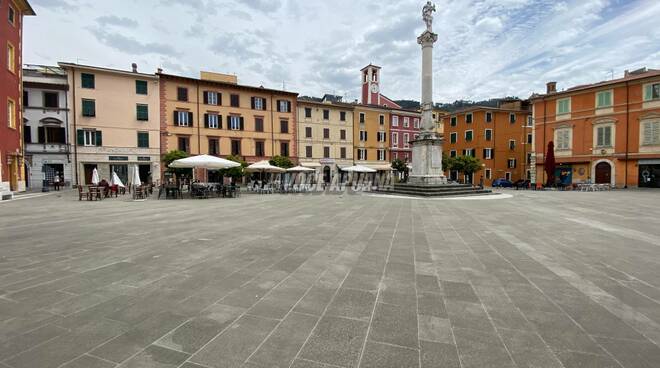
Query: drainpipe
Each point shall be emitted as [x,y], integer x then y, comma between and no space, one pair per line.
[272,127]
[543,148]
[625,175]
[75,130]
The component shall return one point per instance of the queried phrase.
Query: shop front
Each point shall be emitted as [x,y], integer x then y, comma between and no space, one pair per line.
[649,173]
[148,168]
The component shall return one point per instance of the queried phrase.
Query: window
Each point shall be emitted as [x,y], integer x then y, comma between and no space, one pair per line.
[211,98]
[452,121]
[529,138]
[326,152]
[283,106]
[11,113]
[89,137]
[236,147]
[308,151]
[563,139]
[88,108]
[362,154]
[142,112]
[214,146]
[512,144]
[489,116]
[604,136]
[381,119]
[308,132]
[326,114]
[11,58]
[212,121]
[342,152]
[25,98]
[406,122]
[363,135]
[395,139]
[512,118]
[529,159]
[468,135]
[651,133]
[488,153]
[184,144]
[182,94]
[395,121]
[284,126]
[326,133]
[488,174]
[342,134]
[258,103]
[603,99]
[11,15]
[381,155]
[308,112]
[507,176]
[258,124]
[530,121]
[563,106]
[235,122]
[362,117]
[259,150]
[342,115]
[416,123]
[51,99]
[511,163]
[652,91]
[143,139]
[488,135]
[469,152]
[452,137]
[468,118]
[183,118]
[87,80]
[380,137]
[234,100]
[141,87]
[406,140]
[452,153]
[284,149]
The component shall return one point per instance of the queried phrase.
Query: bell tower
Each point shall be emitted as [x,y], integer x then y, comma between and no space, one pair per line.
[371,84]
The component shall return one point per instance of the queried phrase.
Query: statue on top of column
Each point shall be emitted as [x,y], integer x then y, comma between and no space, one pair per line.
[427,15]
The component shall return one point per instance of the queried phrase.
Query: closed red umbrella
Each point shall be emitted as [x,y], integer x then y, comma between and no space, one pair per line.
[549,164]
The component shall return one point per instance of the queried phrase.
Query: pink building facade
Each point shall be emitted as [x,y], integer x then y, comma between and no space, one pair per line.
[404,127]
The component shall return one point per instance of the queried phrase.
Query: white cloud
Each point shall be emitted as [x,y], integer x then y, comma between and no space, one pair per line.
[486,48]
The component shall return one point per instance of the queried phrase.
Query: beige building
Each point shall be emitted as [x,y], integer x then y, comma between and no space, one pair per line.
[114,122]
[325,135]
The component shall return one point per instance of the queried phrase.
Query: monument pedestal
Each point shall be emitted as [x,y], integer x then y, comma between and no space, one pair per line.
[427,162]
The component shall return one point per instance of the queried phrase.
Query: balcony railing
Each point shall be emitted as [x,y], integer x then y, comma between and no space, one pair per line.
[47,147]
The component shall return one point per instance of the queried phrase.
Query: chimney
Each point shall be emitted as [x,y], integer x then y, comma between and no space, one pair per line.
[551,87]
[134,67]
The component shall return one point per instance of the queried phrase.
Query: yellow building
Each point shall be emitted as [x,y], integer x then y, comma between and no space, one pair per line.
[325,135]
[437,119]
[217,116]
[370,132]
[113,120]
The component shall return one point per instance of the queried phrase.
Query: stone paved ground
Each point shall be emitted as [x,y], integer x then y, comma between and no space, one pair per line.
[537,280]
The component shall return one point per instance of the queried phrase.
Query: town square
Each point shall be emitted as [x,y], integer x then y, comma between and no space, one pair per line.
[216,184]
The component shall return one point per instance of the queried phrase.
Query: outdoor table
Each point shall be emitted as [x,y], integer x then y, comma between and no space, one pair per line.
[172,192]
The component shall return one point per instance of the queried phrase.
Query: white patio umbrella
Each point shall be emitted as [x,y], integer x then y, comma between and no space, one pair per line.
[116,181]
[264,166]
[136,176]
[95,177]
[359,169]
[204,161]
[300,169]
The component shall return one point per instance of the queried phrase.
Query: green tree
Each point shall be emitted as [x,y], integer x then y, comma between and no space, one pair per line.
[172,156]
[281,161]
[235,172]
[400,166]
[466,165]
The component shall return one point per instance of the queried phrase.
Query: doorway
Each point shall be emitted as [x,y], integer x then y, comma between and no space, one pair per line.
[603,173]
[327,177]
[89,170]
[145,173]
[121,171]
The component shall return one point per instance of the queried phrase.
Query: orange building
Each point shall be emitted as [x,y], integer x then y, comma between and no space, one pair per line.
[500,137]
[607,132]
[370,132]
[217,116]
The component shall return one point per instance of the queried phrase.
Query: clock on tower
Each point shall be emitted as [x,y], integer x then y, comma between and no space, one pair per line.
[370,86]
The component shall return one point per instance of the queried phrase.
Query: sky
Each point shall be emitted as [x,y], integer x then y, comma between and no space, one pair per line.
[485,48]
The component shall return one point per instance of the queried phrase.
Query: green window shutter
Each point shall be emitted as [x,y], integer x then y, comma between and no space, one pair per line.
[142,112]
[87,80]
[608,136]
[99,138]
[80,134]
[143,139]
[89,108]
[141,87]
[648,92]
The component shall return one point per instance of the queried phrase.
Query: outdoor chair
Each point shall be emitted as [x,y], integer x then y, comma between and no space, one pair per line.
[83,193]
[95,193]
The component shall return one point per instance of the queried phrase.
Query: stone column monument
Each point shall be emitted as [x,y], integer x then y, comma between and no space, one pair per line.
[427,149]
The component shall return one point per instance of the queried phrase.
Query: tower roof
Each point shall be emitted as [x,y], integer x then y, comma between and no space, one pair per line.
[370,66]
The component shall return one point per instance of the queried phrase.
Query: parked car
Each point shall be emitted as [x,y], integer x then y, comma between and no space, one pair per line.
[521,184]
[502,183]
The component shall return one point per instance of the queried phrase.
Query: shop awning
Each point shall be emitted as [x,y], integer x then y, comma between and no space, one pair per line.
[310,164]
